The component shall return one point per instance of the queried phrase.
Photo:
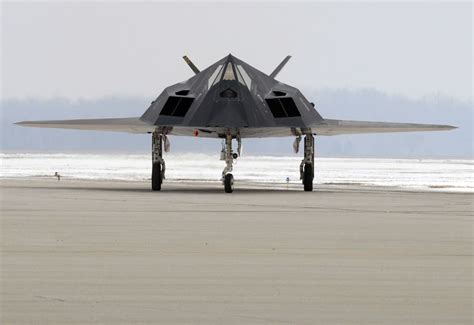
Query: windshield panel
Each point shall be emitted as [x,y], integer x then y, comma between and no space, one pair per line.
[215,76]
[245,76]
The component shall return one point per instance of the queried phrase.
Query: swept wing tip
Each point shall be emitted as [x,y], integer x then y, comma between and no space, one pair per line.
[447,127]
[27,123]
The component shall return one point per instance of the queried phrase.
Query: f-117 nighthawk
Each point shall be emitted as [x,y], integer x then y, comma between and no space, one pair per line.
[232,100]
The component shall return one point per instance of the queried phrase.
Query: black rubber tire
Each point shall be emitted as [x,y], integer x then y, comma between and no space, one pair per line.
[156,178]
[229,183]
[308,178]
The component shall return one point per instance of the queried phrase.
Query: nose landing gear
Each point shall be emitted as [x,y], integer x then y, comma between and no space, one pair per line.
[229,156]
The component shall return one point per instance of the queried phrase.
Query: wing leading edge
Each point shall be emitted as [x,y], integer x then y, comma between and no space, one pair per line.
[336,127]
[131,125]
[324,127]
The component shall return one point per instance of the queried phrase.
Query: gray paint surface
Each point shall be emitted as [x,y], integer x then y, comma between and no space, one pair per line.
[245,113]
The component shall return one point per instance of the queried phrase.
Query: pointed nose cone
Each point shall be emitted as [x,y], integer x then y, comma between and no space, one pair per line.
[228,58]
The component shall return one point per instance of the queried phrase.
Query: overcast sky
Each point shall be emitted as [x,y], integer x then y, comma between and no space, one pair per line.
[90,50]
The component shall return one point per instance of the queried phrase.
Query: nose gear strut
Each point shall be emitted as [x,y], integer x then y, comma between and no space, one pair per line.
[229,157]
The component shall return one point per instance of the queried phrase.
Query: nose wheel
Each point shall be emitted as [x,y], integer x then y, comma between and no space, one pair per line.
[229,183]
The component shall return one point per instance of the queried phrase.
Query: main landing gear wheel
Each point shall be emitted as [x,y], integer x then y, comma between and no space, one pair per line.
[229,183]
[159,142]
[156,177]
[308,178]
[307,164]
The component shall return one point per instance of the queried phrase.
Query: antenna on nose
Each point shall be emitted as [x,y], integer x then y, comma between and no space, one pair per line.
[191,64]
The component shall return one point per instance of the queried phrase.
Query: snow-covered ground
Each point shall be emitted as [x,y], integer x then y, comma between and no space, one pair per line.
[447,174]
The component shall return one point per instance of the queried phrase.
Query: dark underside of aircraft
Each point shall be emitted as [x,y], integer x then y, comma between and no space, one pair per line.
[232,100]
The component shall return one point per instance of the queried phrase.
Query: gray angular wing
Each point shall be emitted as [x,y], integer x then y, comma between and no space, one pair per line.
[131,125]
[324,127]
[335,127]
[135,125]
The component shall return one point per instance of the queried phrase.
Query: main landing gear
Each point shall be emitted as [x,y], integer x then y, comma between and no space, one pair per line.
[158,170]
[229,157]
[160,143]
[307,164]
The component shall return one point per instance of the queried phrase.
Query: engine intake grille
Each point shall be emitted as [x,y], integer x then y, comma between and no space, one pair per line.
[283,107]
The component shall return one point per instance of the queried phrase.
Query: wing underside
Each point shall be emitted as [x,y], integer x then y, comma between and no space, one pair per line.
[135,125]
[336,127]
[325,127]
[131,125]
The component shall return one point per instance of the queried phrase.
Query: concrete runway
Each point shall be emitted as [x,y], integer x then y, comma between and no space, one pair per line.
[116,253]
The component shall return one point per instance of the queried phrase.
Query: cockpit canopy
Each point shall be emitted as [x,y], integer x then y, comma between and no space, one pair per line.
[229,71]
